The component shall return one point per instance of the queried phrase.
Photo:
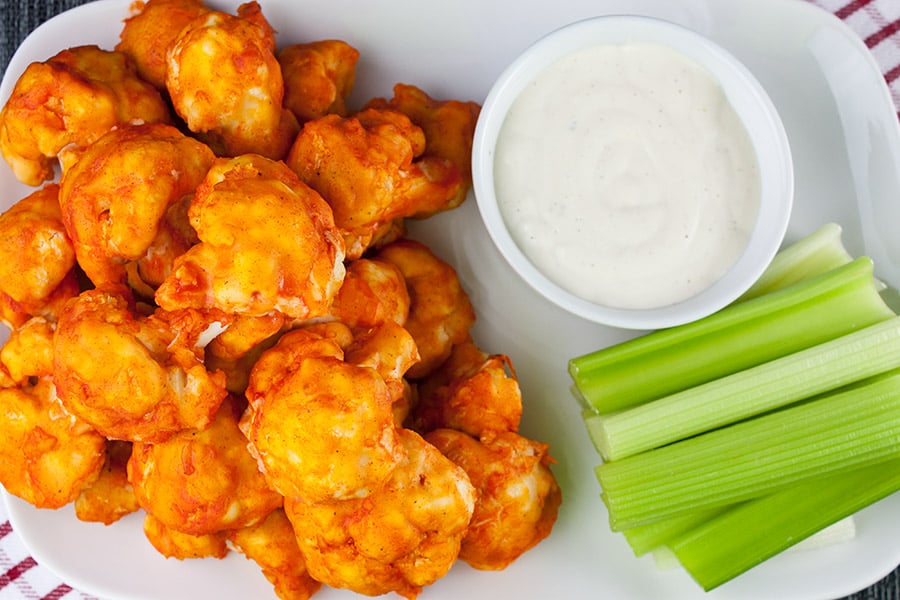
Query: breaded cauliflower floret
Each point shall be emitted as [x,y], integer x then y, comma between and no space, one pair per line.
[449,127]
[172,543]
[47,455]
[272,545]
[226,83]
[472,392]
[400,539]
[111,497]
[114,201]
[367,168]
[132,377]
[441,314]
[318,77]
[391,351]
[148,34]
[68,102]
[201,482]
[321,428]
[373,293]
[518,496]
[267,243]
[36,258]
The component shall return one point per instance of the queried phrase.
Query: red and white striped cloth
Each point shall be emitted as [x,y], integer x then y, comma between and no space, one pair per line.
[878,24]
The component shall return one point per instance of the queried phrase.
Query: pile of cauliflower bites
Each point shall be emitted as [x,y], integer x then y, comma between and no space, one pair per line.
[216,317]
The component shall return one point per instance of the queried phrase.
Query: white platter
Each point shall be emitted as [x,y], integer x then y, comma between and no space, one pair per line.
[846,143]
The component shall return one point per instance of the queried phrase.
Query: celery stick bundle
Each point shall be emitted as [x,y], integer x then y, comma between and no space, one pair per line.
[729,439]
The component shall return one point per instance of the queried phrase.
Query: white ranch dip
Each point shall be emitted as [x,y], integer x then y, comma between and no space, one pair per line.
[625,175]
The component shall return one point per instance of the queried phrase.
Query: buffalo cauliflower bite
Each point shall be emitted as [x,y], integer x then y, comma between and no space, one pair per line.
[236,349]
[373,293]
[28,352]
[272,544]
[267,243]
[366,168]
[318,77]
[518,496]
[440,314]
[472,392]
[133,377]
[401,538]
[449,127]
[36,258]
[322,429]
[391,351]
[111,496]
[225,82]
[147,35]
[115,200]
[47,455]
[201,482]
[68,102]
[172,543]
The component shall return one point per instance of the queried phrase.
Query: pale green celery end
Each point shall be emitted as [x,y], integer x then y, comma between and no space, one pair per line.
[855,356]
[812,255]
[855,426]
[737,337]
[736,541]
[592,424]
[646,538]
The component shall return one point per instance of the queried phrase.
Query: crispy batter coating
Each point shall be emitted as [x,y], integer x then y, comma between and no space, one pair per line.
[68,102]
[267,243]
[226,83]
[472,392]
[47,455]
[518,496]
[36,258]
[172,543]
[141,378]
[116,198]
[441,313]
[318,77]
[374,292]
[272,544]
[366,168]
[201,482]
[401,538]
[111,497]
[321,428]
[147,35]
[449,127]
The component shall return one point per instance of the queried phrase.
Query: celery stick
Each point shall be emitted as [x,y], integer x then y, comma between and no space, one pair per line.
[818,252]
[646,538]
[737,337]
[754,391]
[745,536]
[854,426]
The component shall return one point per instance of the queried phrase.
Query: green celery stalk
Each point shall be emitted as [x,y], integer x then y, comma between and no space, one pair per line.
[735,338]
[646,538]
[745,536]
[748,393]
[817,253]
[854,426]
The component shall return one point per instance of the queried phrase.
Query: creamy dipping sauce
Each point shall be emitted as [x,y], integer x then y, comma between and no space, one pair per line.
[626,177]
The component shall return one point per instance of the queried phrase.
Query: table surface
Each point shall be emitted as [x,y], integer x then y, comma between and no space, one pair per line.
[877,22]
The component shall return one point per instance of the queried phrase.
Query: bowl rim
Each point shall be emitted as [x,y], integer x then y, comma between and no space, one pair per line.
[749,99]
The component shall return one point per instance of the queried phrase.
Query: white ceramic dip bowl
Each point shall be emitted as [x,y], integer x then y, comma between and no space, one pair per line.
[753,108]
